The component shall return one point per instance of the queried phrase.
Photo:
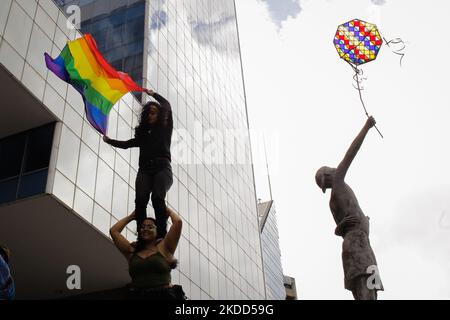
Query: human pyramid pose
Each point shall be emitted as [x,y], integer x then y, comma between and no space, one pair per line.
[151,257]
[153,137]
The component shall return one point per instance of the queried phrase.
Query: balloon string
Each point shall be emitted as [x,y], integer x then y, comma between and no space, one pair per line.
[398,51]
[358,80]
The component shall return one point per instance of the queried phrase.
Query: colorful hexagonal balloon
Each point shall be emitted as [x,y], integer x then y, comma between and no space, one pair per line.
[357,41]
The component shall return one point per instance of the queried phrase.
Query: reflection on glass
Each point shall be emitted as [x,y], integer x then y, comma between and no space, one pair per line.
[107,153]
[32,184]
[202,221]
[152,72]
[227,246]
[172,196]
[211,230]
[24,159]
[11,154]
[90,136]
[186,284]
[8,190]
[112,124]
[131,203]
[193,236]
[194,265]
[123,133]
[101,219]
[204,272]
[87,169]
[122,168]
[120,198]
[118,28]
[39,146]
[183,254]
[134,160]
[63,188]
[133,174]
[69,147]
[193,214]
[195,292]
[83,205]
[162,83]
[125,112]
[103,190]
[272,257]
[214,282]
[183,202]
[73,120]
[175,275]
[219,239]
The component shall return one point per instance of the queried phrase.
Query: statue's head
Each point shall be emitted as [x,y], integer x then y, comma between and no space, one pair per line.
[324,178]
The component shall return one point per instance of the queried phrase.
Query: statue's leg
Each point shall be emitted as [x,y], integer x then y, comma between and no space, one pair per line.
[361,291]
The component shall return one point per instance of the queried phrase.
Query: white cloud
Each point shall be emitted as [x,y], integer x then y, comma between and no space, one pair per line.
[280,10]
[378,2]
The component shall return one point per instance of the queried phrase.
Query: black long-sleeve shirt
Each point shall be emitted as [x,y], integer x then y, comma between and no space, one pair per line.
[155,142]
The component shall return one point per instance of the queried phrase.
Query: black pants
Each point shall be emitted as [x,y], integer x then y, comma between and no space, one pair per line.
[155,182]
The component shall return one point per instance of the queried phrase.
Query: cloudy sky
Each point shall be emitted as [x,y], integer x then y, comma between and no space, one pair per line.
[300,95]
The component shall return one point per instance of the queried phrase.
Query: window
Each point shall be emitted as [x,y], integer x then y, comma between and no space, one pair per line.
[24,160]
[11,156]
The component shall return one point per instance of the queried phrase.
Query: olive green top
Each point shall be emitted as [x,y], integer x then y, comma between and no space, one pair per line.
[153,271]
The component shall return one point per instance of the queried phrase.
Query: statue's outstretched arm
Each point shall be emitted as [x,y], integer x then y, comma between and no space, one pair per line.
[341,170]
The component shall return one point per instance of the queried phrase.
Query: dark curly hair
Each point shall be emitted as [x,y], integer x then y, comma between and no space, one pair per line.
[143,125]
[139,245]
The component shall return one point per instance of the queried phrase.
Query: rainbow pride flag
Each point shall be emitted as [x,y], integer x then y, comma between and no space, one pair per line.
[101,86]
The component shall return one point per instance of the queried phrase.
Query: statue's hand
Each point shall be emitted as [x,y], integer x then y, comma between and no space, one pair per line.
[370,122]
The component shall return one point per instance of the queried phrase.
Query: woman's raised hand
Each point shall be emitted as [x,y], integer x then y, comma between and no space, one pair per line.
[150,92]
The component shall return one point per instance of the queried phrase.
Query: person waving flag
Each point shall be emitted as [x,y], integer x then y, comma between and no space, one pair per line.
[82,65]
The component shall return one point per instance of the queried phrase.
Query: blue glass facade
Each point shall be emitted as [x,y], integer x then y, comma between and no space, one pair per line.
[118,29]
[273,270]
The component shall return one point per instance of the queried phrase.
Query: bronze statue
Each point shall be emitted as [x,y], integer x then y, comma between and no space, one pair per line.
[357,255]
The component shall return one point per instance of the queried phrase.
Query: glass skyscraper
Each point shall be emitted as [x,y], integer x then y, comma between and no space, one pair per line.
[188,51]
[273,271]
